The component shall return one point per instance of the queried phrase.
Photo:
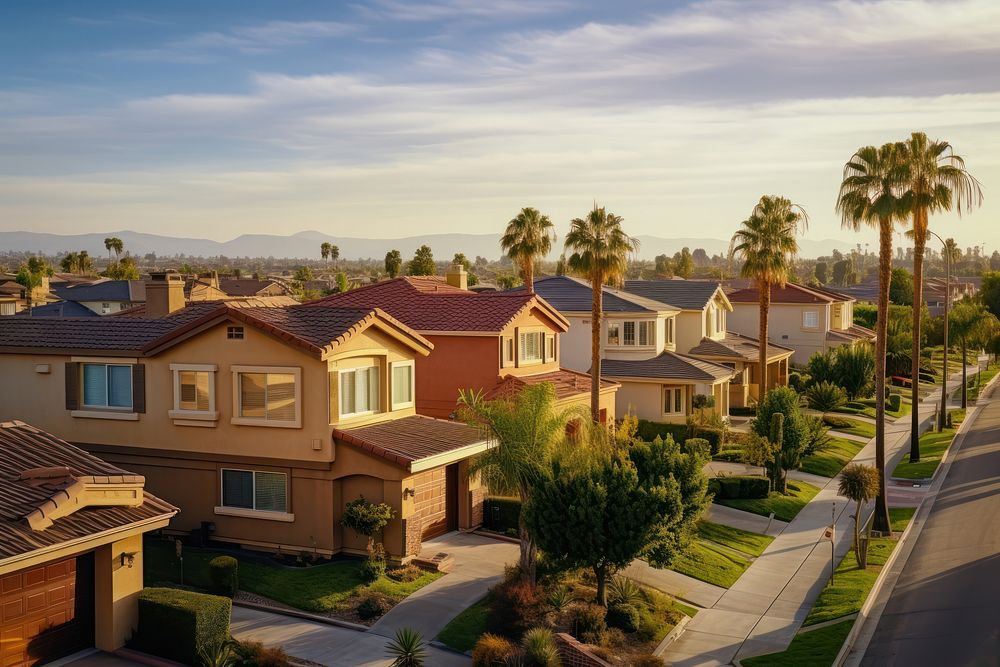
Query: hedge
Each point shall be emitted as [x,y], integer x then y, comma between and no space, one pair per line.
[731,488]
[714,436]
[895,402]
[697,446]
[177,624]
[649,431]
[224,573]
[501,514]
[747,411]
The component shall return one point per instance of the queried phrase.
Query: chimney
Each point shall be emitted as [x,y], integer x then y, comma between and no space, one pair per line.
[164,293]
[457,277]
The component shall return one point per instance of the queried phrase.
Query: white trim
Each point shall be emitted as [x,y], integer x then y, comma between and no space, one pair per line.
[351,415]
[107,386]
[413,384]
[447,457]
[128,416]
[212,368]
[255,514]
[238,420]
[673,400]
[105,360]
[194,415]
[200,415]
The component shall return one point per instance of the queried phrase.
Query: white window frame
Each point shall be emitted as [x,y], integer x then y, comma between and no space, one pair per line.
[238,420]
[392,382]
[271,515]
[182,416]
[354,370]
[668,330]
[550,355]
[112,408]
[508,356]
[521,337]
[674,392]
[607,333]
[805,319]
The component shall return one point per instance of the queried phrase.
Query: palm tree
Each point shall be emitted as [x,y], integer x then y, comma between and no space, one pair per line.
[113,243]
[859,483]
[973,325]
[936,180]
[766,244]
[524,430]
[600,251]
[527,239]
[869,197]
[324,250]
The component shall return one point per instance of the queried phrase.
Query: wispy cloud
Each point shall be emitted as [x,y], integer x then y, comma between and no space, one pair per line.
[444,10]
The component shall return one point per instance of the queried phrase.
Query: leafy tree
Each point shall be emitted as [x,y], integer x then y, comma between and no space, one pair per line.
[901,287]
[561,267]
[461,260]
[825,396]
[525,430]
[422,263]
[342,283]
[700,257]
[683,263]
[123,269]
[507,281]
[663,267]
[783,401]
[859,483]
[936,180]
[761,451]
[973,326]
[302,274]
[766,244]
[527,239]
[995,262]
[70,263]
[31,275]
[854,368]
[614,515]
[843,273]
[822,272]
[85,263]
[393,263]
[989,291]
[600,251]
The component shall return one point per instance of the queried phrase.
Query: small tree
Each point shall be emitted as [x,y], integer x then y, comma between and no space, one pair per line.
[422,263]
[393,263]
[760,451]
[342,283]
[859,483]
[784,401]
[854,368]
[366,518]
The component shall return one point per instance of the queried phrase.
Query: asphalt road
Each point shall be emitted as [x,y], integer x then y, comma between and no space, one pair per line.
[945,608]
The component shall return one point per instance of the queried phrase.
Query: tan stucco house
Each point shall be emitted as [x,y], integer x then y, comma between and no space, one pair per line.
[71,528]
[259,423]
[804,319]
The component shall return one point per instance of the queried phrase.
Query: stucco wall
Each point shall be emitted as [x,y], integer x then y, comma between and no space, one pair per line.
[785,327]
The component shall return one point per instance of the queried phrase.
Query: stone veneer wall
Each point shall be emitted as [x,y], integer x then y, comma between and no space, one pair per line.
[411,535]
[574,654]
[476,498]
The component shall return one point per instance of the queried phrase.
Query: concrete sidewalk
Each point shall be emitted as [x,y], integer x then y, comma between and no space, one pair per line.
[679,585]
[764,609]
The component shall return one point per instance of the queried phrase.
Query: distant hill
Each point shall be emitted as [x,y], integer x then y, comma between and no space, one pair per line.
[306,245]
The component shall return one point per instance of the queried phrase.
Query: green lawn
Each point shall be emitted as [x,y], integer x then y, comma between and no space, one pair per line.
[749,543]
[785,507]
[828,462]
[869,410]
[816,648]
[854,427]
[321,588]
[899,517]
[711,563]
[933,445]
[465,629]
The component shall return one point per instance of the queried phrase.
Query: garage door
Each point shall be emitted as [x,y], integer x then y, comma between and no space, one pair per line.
[47,612]
[436,493]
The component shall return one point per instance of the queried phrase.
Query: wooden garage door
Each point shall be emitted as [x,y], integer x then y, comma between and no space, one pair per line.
[46,612]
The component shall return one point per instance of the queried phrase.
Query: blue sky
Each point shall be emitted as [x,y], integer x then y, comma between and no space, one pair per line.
[390,118]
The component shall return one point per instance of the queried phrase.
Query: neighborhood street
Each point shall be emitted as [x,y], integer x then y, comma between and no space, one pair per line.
[945,605]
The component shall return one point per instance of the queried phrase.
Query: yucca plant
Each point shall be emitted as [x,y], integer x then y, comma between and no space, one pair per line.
[219,654]
[622,590]
[407,649]
[559,599]
[540,647]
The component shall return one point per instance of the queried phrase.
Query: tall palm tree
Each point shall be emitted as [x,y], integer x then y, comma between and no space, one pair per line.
[525,430]
[600,251]
[766,244]
[936,180]
[113,243]
[528,238]
[869,197]
[324,250]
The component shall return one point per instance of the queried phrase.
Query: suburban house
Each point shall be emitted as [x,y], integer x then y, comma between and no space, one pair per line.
[639,343]
[14,296]
[251,287]
[71,528]
[103,297]
[804,319]
[956,290]
[259,423]
[492,342]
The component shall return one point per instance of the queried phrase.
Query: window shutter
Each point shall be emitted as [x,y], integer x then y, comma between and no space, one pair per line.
[139,388]
[72,385]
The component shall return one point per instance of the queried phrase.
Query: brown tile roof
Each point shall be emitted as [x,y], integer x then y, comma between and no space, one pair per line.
[429,304]
[566,383]
[23,448]
[667,366]
[410,439]
[854,333]
[737,346]
[245,286]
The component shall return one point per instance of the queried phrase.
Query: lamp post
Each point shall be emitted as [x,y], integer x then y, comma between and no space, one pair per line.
[946,251]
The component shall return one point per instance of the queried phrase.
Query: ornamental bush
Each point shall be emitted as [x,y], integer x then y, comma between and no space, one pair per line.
[698,447]
[224,574]
[179,625]
[491,650]
[623,616]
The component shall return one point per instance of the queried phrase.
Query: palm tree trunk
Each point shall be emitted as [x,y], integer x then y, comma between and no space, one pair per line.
[595,349]
[529,275]
[881,520]
[857,535]
[918,299]
[764,291]
[529,553]
[965,380]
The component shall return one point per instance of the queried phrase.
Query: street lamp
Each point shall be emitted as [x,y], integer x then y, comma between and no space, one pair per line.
[946,251]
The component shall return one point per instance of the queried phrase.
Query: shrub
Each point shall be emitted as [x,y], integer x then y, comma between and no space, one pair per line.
[491,651]
[647,661]
[733,487]
[559,598]
[698,447]
[373,604]
[825,396]
[501,514]
[540,648]
[894,402]
[374,566]
[649,430]
[622,590]
[746,411]
[366,518]
[836,422]
[515,608]
[588,623]
[405,574]
[178,624]
[252,654]
[224,574]
[714,436]
[795,380]
[623,616]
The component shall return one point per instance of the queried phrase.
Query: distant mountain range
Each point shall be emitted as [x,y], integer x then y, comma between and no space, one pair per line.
[306,245]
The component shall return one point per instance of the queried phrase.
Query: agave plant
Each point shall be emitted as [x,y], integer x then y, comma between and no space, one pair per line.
[622,590]
[218,654]
[407,649]
[559,598]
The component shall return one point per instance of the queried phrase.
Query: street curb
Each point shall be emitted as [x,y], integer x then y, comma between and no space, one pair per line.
[672,635]
[913,530]
[304,615]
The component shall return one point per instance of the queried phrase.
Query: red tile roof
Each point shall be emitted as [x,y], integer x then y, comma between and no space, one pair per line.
[567,384]
[24,448]
[429,304]
[410,439]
